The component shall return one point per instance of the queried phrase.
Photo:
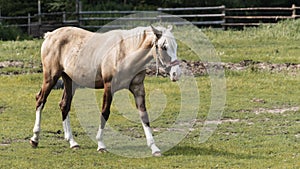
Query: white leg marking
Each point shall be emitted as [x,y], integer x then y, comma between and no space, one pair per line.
[99,138]
[68,132]
[150,139]
[37,124]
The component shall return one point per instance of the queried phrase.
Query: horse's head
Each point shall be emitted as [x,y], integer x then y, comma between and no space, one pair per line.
[166,49]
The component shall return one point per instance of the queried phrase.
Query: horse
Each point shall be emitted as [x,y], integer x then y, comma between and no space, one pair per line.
[112,61]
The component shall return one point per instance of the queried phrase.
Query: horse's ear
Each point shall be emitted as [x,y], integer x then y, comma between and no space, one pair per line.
[170,27]
[157,32]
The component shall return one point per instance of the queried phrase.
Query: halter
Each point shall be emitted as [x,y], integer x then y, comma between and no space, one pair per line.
[157,57]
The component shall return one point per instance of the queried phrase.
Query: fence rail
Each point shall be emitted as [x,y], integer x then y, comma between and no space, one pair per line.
[216,16]
[259,9]
[192,8]
[259,15]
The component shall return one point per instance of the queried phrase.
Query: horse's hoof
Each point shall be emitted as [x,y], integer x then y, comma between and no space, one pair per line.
[157,154]
[33,144]
[102,150]
[76,147]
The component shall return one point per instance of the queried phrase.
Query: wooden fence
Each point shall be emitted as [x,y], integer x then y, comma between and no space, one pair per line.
[217,17]
[36,25]
[260,15]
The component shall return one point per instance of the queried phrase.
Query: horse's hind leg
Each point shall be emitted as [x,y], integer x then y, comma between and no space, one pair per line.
[65,105]
[49,80]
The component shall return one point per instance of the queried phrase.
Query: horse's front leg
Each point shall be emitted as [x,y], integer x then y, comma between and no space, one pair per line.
[139,94]
[107,99]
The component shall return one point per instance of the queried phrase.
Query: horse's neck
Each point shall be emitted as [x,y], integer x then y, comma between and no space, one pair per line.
[138,55]
[139,50]
[129,68]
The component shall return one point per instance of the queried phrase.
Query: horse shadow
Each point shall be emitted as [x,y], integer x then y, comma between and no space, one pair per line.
[208,151]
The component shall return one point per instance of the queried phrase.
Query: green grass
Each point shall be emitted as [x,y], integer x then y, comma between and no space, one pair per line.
[245,139]
[27,51]
[269,43]
[256,141]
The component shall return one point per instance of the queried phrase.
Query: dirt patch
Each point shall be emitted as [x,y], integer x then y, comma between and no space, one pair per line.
[11,63]
[9,141]
[270,110]
[235,120]
[256,111]
[277,110]
[230,120]
[195,68]
[2,109]
[18,67]
[4,144]
[198,68]
[266,66]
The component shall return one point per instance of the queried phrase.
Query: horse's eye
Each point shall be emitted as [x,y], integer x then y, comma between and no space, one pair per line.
[164,47]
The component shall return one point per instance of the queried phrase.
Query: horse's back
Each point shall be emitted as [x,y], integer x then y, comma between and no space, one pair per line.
[68,30]
[60,44]
[63,37]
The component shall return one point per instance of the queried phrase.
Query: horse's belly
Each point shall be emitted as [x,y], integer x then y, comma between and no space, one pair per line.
[84,79]
[91,84]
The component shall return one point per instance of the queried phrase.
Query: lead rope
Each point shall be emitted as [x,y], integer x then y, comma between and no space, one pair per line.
[157,66]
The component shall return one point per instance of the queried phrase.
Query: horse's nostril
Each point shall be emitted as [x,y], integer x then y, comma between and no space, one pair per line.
[174,74]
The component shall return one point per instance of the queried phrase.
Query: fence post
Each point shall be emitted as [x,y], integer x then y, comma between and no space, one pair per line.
[64,17]
[29,24]
[224,17]
[294,11]
[79,13]
[39,12]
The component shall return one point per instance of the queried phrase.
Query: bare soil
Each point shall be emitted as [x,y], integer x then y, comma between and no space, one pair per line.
[198,68]
[2,109]
[11,63]
[195,68]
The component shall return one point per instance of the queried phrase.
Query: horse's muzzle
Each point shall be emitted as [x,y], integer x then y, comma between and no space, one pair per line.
[175,74]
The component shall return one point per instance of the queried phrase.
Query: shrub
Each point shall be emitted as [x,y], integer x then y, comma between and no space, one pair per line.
[11,33]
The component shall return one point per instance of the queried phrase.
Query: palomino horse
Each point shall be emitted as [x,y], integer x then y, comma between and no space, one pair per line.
[113,60]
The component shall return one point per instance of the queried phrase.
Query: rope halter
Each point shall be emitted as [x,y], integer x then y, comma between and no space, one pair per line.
[158,56]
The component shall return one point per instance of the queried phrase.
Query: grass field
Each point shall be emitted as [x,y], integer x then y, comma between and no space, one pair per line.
[260,124]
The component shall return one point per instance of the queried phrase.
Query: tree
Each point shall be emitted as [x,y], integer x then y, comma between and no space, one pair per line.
[17,7]
[60,5]
[22,7]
